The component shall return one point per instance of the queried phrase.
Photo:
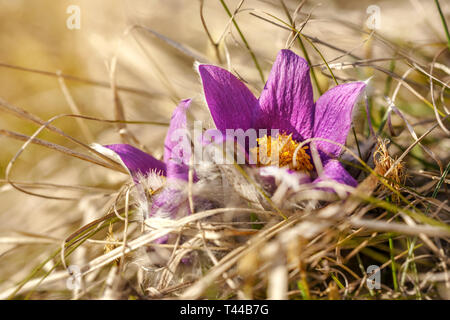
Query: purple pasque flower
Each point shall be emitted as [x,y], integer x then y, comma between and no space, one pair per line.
[286,104]
[169,201]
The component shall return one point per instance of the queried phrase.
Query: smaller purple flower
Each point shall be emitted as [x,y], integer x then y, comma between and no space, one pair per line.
[286,104]
[168,202]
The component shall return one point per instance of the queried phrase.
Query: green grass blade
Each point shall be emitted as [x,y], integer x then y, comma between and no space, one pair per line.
[444,23]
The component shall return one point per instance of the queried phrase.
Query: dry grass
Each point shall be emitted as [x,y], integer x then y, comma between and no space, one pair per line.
[69,211]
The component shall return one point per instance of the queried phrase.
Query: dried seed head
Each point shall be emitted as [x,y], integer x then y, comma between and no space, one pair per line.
[384,162]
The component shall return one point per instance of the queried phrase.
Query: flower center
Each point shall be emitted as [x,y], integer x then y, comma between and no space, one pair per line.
[282,151]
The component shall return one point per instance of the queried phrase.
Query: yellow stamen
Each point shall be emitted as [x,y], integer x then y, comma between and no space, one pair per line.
[287,149]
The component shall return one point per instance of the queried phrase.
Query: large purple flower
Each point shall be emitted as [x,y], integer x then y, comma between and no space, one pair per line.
[174,167]
[286,104]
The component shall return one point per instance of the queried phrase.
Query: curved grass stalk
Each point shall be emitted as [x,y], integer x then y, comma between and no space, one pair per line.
[252,54]
[72,243]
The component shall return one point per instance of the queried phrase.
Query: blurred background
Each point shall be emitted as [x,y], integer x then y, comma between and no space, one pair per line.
[156,43]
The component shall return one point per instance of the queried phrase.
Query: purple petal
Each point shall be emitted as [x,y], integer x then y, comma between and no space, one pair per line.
[231,103]
[169,203]
[162,240]
[333,115]
[334,170]
[177,146]
[287,98]
[273,175]
[137,161]
[222,148]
